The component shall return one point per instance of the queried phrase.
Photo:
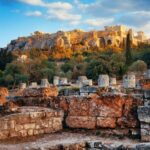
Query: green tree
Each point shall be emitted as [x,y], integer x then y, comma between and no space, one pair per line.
[97,67]
[5,57]
[67,67]
[144,55]
[138,66]
[128,54]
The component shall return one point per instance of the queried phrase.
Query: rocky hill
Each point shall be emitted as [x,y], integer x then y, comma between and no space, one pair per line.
[76,39]
[71,39]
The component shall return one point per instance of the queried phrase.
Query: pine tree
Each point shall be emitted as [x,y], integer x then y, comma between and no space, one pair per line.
[128,53]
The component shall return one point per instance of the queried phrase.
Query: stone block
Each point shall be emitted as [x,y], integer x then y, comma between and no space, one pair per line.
[81,122]
[18,127]
[106,122]
[23,133]
[144,113]
[29,126]
[35,132]
[30,132]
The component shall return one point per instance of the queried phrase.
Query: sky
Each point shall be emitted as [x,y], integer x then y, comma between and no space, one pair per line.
[23,17]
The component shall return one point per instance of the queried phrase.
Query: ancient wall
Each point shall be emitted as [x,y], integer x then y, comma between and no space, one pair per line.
[29,121]
[3,93]
[102,112]
[41,92]
[108,111]
[144,117]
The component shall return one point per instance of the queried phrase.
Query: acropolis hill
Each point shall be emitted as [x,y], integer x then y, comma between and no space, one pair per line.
[114,36]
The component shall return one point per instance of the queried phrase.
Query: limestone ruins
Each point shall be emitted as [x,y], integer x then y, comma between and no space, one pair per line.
[40,109]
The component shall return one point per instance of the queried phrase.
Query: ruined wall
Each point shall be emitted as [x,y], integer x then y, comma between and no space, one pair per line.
[108,111]
[103,112]
[28,121]
[144,117]
[3,93]
[41,92]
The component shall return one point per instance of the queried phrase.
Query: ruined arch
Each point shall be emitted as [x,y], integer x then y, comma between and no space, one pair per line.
[102,42]
[109,42]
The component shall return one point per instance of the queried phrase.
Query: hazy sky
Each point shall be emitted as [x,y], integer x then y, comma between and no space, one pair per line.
[23,17]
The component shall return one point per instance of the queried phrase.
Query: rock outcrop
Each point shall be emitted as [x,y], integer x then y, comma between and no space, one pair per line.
[76,39]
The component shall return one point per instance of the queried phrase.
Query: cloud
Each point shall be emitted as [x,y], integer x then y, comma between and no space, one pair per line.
[34,13]
[59,5]
[99,21]
[60,11]
[53,5]
[63,15]
[137,18]
[96,13]
[33,2]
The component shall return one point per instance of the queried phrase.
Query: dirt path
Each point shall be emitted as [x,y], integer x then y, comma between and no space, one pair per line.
[50,140]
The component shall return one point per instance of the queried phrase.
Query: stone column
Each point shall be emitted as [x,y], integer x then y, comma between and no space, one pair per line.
[23,85]
[129,81]
[103,80]
[112,81]
[148,73]
[56,80]
[63,81]
[33,85]
[44,83]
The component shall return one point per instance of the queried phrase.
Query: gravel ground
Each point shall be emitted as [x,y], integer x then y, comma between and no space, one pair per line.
[50,140]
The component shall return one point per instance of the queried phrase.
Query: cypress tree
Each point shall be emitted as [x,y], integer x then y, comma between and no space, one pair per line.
[128,53]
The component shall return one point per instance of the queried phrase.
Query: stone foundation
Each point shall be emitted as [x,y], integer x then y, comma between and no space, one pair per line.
[41,92]
[111,111]
[144,117]
[114,112]
[29,121]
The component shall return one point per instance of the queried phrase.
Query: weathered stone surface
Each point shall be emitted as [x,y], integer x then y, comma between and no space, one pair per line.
[144,113]
[28,121]
[144,117]
[41,92]
[109,111]
[106,122]
[95,111]
[81,122]
[3,93]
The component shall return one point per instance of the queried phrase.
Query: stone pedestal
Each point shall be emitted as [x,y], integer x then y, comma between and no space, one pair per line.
[63,81]
[129,81]
[103,80]
[23,85]
[33,85]
[148,73]
[44,83]
[112,81]
[56,80]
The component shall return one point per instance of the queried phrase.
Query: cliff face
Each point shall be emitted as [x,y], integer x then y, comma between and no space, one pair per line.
[75,39]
